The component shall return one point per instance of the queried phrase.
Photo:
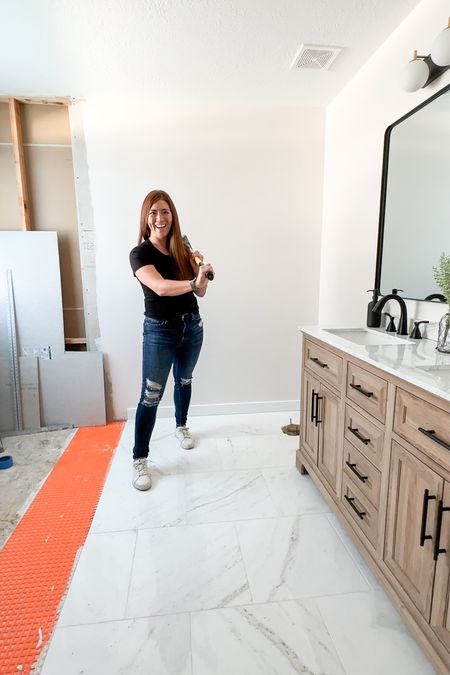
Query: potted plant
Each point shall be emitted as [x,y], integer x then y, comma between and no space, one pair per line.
[442,278]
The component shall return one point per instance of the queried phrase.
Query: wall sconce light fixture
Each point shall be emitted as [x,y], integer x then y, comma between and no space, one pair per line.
[440,49]
[422,70]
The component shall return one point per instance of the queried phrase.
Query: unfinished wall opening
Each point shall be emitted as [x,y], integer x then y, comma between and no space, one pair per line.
[37,192]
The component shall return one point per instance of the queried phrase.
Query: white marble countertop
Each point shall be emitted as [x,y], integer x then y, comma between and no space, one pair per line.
[415,361]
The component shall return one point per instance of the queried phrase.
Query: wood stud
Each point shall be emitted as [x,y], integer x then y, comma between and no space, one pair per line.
[19,161]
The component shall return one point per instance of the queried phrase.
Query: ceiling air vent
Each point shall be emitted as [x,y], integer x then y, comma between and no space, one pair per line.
[316,57]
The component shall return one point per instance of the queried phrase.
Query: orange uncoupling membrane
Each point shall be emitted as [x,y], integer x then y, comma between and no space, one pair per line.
[37,560]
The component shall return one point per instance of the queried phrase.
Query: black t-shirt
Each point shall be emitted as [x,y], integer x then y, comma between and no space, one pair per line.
[157,307]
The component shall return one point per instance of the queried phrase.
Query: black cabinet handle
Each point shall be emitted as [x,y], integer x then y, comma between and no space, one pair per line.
[358,435]
[350,500]
[437,538]
[317,421]
[426,498]
[318,362]
[356,472]
[313,400]
[361,390]
[430,433]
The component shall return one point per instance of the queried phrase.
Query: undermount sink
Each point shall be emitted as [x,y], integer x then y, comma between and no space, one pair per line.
[436,369]
[365,336]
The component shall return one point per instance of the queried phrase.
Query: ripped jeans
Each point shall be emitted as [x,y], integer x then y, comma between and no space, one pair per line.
[174,342]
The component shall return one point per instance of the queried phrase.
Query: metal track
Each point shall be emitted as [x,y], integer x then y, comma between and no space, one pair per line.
[14,357]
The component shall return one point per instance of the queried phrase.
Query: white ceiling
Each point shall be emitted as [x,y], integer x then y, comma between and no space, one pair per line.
[188,50]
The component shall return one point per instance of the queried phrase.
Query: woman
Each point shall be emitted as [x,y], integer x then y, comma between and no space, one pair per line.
[173,329]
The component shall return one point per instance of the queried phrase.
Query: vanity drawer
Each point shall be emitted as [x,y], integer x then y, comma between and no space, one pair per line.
[423,424]
[367,390]
[364,435]
[325,364]
[362,473]
[360,509]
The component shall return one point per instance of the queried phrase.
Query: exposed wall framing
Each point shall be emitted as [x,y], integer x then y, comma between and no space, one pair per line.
[19,160]
[43,163]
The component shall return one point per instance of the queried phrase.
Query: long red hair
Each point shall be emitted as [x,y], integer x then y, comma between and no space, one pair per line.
[177,250]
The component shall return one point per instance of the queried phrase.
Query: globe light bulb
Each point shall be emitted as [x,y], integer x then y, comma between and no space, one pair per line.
[414,75]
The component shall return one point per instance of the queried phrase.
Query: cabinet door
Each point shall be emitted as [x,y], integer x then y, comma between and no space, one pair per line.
[414,490]
[440,609]
[328,420]
[310,428]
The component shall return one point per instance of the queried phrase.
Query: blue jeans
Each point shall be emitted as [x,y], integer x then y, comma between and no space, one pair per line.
[174,342]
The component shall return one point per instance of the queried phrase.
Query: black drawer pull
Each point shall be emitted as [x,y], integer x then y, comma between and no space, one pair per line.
[358,435]
[430,433]
[317,421]
[318,362]
[313,400]
[361,390]
[426,498]
[350,500]
[356,472]
[437,538]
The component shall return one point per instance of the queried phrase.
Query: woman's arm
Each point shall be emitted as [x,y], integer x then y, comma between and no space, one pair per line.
[149,276]
[201,281]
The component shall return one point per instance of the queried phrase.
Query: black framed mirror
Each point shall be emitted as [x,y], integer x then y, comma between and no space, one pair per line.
[414,223]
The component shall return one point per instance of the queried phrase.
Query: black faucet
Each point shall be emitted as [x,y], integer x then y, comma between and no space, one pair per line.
[403,323]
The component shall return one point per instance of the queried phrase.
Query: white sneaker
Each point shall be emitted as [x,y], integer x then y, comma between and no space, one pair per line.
[141,475]
[185,438]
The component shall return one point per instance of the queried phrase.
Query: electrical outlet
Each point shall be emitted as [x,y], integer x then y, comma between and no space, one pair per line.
[40,352]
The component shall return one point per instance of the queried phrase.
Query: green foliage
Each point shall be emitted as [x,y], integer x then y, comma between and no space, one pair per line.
[442,275]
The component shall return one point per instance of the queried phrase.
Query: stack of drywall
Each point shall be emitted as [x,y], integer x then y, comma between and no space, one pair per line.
[55,387]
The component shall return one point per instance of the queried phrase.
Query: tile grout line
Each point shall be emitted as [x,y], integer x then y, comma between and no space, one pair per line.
[243,563]
[221,522]
[338,654]
[351,554]
[131,573]
[190,642]
[219,608]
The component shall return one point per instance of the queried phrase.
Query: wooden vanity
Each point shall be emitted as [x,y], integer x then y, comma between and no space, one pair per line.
[377,446]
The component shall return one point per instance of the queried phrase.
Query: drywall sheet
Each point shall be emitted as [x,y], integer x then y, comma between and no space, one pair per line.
[29,389]
[7,404]
[34,261]
[72,389]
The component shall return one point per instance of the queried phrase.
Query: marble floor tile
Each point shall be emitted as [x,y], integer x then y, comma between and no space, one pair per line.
[278,638]
[227,525]
[370,637]
[356,555]
[251,424]
[188,568]
[293,494]
[227,496]
[218,447]
[251,452]
[296,557]
[158,645]
[98,590]
[124,508]
[167,456]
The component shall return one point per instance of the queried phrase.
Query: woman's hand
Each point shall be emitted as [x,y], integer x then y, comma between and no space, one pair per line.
[194,263]
[201,281]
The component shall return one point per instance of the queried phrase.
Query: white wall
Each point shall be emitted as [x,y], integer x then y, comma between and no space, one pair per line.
[355,124]
[247,183]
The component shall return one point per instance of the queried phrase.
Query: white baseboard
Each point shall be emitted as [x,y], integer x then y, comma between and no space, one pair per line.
[227,408]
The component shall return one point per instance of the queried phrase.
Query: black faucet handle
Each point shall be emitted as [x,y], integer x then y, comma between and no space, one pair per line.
[396,291]
[415,333]
[391,325]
